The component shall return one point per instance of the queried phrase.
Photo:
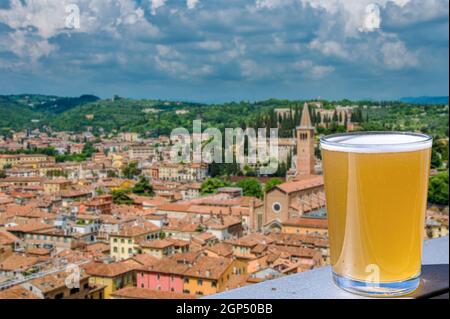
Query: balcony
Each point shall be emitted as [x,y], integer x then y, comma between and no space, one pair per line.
[317,283]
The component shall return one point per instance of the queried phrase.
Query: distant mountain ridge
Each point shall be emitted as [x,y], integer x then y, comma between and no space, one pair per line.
[425,100]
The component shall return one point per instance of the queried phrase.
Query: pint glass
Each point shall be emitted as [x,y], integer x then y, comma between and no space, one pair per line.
[376,190]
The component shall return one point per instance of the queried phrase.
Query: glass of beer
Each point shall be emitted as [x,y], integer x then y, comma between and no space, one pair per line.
[376,187]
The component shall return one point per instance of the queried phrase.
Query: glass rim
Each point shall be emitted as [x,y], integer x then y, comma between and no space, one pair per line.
[327,143]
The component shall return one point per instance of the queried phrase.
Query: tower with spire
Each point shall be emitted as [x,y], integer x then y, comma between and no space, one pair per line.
[305,145]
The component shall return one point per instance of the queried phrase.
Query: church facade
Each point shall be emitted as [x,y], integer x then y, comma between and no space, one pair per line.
[298,206]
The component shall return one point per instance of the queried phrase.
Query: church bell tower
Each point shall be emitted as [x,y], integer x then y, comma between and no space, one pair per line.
[305,145]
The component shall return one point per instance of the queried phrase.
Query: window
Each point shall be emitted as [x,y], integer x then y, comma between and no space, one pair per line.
[276,207]
[86,286]
[115,240]
[130,250]
[115,249]
[186,280]
[214,284]
[129,241]
[59,296]
[74,291]
[122,241]
[199,282]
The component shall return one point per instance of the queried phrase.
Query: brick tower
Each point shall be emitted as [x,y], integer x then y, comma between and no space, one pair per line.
[305,146]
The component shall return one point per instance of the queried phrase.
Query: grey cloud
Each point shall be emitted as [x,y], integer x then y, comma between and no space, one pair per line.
[236,48]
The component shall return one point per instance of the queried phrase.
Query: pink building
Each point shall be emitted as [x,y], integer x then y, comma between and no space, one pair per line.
[160,281]
[165,275]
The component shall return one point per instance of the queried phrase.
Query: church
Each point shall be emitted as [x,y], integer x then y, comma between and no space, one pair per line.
[298,206]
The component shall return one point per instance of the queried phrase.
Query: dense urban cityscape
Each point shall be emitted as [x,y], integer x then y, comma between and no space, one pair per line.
[220,158]
[110,216]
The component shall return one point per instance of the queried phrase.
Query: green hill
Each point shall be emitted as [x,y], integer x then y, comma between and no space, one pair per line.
[32,110]
[155,117]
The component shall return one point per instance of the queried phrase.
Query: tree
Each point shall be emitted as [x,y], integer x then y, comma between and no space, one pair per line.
[120,197]
[200,228]
[250,187]
[211,185]
[162,235]
[281,170]
[436,161]
[438,189]
[111,174]
[143,188]
[88,149]
[335,117]
[2,174]
[131,170]
[271,183]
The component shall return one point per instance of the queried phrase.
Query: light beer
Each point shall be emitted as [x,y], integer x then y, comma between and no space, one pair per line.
[376,190]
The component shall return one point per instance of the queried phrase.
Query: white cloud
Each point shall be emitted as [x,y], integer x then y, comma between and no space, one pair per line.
[356,16]
[35,22]
[192,4]
[311,70]
[156,4]
[21,45]
[48,17]
[173,63]
[329,48]
[167,52]
[270,4]
[396,56]
[210,45]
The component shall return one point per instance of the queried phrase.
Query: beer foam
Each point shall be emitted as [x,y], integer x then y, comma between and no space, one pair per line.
[376,142]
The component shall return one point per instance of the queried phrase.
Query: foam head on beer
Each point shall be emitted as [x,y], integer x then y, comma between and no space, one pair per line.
[377,143]
[376,191]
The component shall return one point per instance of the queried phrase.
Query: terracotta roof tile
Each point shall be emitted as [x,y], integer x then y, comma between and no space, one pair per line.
[142,293]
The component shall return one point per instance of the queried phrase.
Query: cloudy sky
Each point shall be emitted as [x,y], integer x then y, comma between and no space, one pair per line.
[223,50]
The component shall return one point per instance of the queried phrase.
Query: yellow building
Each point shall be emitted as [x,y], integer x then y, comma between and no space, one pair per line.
[117,161]
[125,243]
[13,160]
[306,226]
[113,276]
[56,185]
[209,275]
[161,248]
